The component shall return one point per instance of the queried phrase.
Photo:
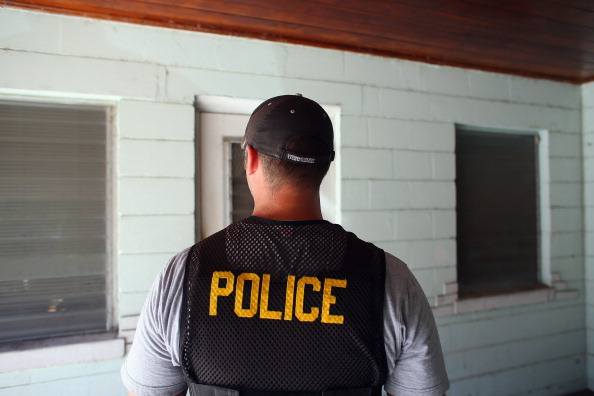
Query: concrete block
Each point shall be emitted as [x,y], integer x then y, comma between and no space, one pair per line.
[374,226]
[412,165]
[127,335]
[173,47]
[148,196]
[589,167]
[251,56]
[36,71]
[128,322]
[544,92]
[311,63]
[160,121]
[131,303]
[588,120]
[432,137]
[111,40]
[155,234]
[565,144]
[489,85]
[21,30]
[389,194]
[451,109]
[572,268]
[184,83]
[355,195]
[430,279]
[587,95]
[444,224]
[399,249]
[446,299]
[371,102]
[589,284]
[446,80]
[451,287]
[366,164]
[371,70]
[353,132]
[404,105]
[389,133]
[443,310]
[564,244]
[589,243]
[565,194]
[432,195]
[588,145]
[567,219]
[502,301]
[567,294]
[413,225]
[443,166]
[565,169]
[154,158]
[436,254]
[411,75]
[567,371]
[138,271]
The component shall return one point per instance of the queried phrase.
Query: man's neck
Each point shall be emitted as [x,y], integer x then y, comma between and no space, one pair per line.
[287,204]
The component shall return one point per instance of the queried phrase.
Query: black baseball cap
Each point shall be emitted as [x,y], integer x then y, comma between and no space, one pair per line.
[279,120]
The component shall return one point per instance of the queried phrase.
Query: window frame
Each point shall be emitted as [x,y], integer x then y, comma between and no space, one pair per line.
[58,350]
[554,288]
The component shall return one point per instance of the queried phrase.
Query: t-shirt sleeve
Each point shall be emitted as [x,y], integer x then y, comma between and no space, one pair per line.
[152,367]
[415,360]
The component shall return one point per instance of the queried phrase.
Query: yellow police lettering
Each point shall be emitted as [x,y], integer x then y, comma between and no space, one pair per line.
[289,297]
[251,311]
[329,299]
[295,297]
[264,312]
[216,291]
[299,313]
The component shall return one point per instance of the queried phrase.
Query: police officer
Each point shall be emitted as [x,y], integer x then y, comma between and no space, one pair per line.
[284,302]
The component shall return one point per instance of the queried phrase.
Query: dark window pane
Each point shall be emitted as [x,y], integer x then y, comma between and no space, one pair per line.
[496,189]
[241,199]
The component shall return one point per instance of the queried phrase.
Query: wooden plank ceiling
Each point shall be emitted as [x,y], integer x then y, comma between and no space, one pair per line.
[548,39]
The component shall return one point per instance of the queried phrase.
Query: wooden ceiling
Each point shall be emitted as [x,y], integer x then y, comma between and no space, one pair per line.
[548,39]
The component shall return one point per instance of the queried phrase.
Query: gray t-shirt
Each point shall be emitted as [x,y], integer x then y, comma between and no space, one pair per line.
[415,361]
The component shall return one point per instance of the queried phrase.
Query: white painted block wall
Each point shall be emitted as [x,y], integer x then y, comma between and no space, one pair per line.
[588,150]
[397,150]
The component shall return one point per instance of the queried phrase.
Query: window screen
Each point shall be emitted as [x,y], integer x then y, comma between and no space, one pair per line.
[497,221]
[52,220]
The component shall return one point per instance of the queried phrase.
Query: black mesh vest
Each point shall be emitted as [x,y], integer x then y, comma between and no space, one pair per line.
[284,306]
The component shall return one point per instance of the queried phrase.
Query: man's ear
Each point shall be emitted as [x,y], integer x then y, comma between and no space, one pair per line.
[252,161]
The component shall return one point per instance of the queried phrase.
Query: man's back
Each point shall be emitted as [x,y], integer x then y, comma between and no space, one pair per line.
[284,305]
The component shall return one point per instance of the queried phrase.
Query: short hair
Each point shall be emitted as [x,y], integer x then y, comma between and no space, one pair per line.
[279,173]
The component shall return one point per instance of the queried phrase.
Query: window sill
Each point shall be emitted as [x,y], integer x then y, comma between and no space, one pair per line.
[60,351]
[450,303]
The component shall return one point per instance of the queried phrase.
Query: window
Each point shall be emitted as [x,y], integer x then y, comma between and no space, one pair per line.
[53,220]
[497,212]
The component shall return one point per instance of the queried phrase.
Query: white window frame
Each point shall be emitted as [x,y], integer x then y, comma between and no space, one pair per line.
[56,351]
[449,303]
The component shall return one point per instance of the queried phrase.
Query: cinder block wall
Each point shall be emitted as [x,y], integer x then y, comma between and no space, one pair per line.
[588,147]
[397,167]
